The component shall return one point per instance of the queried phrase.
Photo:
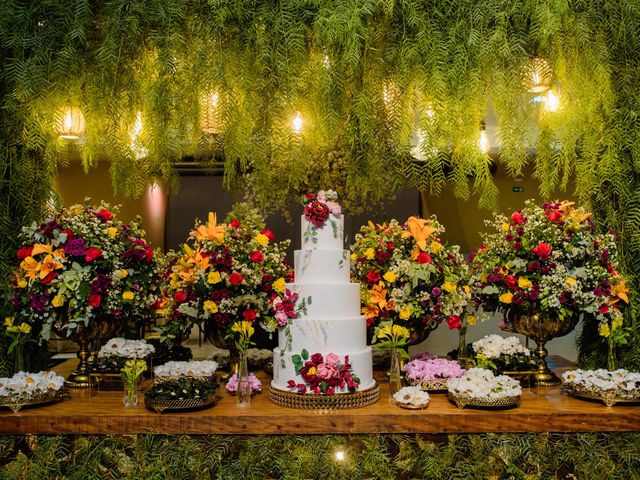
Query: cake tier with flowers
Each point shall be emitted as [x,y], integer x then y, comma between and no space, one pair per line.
[324,350]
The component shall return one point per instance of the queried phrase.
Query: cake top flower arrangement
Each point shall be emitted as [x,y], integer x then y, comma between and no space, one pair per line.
[323,375]
[79,264]
[230,273]
[321,209]
[550,260]
[407,275]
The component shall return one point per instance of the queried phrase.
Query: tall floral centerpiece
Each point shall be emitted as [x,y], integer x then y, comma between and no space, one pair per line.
[545,266]
[229,276]
[84,275]
[409,277]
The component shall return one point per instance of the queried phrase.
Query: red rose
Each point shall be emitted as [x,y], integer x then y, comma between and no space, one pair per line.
[373,277]
[235,278]
[104,215]
[90,254]
[24,252]
[269,234]
[603,309]
[68,233]
[518,218]
[316,358]
[454,322]
[94,300]
[553,215]
[423,257]
[148,254]
[257,257]
[249,315]
[511,281]
[310,196]
[543,251]
[390,246]
[234,223]
[180,296]
[316,213]
[51,276]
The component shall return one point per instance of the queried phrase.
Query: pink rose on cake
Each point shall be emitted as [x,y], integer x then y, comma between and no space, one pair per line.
[330,198]
[325,371]
[332,360]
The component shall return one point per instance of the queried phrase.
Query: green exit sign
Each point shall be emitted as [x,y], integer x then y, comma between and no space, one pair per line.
[517,189]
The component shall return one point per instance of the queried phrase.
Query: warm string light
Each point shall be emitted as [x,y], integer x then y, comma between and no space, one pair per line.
[483,141]
[139,150]
[340,456]
[70,123]
[537,75]
[551,101]
[209,112]
[297,123]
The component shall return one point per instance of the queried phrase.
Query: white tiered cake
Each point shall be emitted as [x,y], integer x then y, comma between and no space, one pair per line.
[332,322]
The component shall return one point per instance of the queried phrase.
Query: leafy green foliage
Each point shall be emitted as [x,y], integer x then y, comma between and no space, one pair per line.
[583,455]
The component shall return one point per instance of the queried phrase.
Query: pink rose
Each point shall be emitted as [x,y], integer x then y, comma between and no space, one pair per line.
[334,209]
[517,218]
[326,372]
[332,360]
[282,318]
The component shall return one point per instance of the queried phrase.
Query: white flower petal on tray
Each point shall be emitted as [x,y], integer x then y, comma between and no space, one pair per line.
[411,396]
[481,383]
[25,385]
[120,347]
[600,381]
[492,346]
[204,368]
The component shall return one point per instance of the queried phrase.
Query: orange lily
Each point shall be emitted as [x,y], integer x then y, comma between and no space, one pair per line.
[195,258]
[211,231]
[620,291]
[31,267]
[370,311]
[378,296]
[420,230]
[49,265]
[39,248]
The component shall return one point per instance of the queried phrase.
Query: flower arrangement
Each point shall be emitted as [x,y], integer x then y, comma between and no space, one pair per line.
[126,348]
[323,375]
[619,384]
[19,335]
[408,276]
[429,370]
[131,373]
[503,354]
[25,387]
[549,259]
[479,383]
[254,383]
[196,369]
[227,274]
[320,209]
[182,388]
[392,337]
[81,264]
[412,396]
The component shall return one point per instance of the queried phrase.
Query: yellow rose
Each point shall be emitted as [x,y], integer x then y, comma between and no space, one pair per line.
[8,321]
[435,247]
[505,227]
[57,301]
[214,277]
[25,328]
[449,287]
[369,253]
[210,306]
[123,273]
[471,320]
[128,295]
[506,297]
[262,239]
[604,330]
[389,276]
[570,282]
[405,313]
[354,256]
[112,231]
[524,283]
[467,289]
[504,270]
[22,284]
[279,285]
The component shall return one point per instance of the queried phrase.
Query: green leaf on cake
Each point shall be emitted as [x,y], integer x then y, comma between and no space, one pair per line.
[304,354]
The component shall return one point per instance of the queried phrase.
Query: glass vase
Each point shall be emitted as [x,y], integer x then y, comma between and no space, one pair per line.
[395,375]
[130,398]
[612,361]
[463,351]
[243,395]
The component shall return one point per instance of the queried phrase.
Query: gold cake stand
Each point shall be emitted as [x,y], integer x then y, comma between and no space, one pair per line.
[324,402]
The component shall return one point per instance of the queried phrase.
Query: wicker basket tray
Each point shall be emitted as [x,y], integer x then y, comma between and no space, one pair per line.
[462,401]
[160,406]
[324,402]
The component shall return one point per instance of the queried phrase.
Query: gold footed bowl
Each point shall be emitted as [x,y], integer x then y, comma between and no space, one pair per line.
[541,329]
[98,329]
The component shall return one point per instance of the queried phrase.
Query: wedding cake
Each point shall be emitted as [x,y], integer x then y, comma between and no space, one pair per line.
[323,352]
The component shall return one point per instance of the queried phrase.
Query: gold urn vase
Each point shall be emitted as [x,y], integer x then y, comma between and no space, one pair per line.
[98,329]
[541,329]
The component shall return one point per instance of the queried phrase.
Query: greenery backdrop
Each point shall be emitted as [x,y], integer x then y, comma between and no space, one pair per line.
[335,62]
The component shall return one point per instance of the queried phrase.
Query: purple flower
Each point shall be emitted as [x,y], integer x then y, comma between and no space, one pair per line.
[75,247]
[48,228]
[100,285]
[597,292]
[254,383]
[605,254]
[436,291]
[38,302]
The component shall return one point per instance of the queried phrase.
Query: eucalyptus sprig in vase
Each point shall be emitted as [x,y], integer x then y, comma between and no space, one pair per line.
[131,373]
[394,338]
[241,333]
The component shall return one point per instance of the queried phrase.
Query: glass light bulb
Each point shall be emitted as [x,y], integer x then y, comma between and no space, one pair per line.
[340,455]
[483,142]
[296,123]
[551,102]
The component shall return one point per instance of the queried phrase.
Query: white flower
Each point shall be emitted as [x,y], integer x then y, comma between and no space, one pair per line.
[492,346]
[481,383]
[204,368]
[120,347]
[600,381]
[411,396]
[23,386]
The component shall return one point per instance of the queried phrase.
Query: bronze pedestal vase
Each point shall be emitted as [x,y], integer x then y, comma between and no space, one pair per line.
[217,336]
[541,329]
[98,329]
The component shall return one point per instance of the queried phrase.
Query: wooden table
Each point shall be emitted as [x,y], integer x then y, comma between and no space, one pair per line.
[102,412]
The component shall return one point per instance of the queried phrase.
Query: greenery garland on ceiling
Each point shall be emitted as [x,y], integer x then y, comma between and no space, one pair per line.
[508,456]
[363,76]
